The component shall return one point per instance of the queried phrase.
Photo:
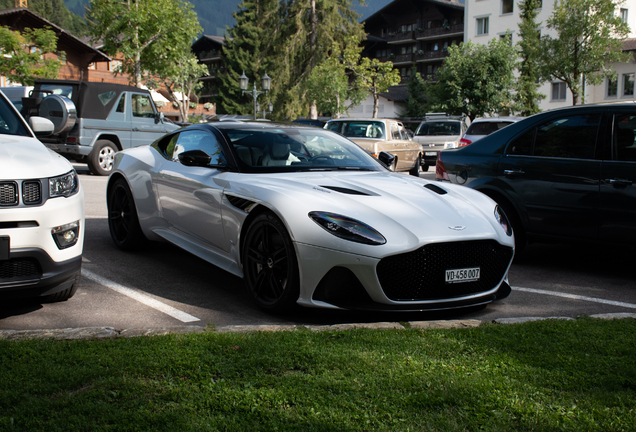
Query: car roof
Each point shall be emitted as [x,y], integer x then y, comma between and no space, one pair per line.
[230,125]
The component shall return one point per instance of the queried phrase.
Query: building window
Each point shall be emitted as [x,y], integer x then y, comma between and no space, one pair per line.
[612,87]
[91,65]
[507,6]
[558,91]
[114,66]
[61,56]
[482,26]
[628,84]
[624,15]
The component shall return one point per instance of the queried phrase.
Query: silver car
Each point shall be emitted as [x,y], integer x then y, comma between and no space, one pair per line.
[481,127]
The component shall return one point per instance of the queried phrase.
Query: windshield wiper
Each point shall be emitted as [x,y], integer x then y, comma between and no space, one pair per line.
[354,168]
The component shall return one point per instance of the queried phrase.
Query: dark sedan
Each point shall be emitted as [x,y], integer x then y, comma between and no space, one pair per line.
[565,174]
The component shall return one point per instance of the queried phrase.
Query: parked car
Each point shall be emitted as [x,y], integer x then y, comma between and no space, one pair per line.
[436,132]
[567,174]
[41,213]
[378,135]
[93,120]
[307,217]
[481,127]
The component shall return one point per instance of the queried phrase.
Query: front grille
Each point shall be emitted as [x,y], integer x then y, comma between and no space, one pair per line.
[420,275]
[31,192]
[19,269]
[8,193]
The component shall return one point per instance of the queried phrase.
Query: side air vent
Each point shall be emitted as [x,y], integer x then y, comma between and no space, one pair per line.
[345,190]
[241,203]
[436,189]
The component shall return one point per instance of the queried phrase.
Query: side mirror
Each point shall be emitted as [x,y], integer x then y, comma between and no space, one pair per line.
[386,159]
[41,126]
[198,158]
[159,117]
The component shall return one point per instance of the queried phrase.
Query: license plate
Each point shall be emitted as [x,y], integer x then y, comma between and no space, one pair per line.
[4,248]
[430,153]
[462,275]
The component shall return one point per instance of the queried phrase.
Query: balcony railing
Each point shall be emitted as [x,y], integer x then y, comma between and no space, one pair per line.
[439,31]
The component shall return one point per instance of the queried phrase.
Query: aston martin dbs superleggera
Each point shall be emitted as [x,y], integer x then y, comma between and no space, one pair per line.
[307,217]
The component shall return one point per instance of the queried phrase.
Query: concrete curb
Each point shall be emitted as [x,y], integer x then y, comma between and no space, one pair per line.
[111,333]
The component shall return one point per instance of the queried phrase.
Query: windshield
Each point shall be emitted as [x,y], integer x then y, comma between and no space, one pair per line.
[296,149]
[10,122]
[485,128]
[358,129]
[431,128]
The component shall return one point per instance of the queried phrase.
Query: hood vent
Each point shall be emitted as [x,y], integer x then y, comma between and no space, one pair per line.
[436,189]
[345,190]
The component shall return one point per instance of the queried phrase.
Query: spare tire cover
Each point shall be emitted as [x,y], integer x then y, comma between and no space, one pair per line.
[61,111]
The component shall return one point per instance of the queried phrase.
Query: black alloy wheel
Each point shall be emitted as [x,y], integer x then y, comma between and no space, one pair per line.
[123,222]
[270,267]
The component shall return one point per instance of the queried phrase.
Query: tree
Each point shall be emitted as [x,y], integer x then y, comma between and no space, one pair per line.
[24,54]
[587,42]
[475,79]
[372,75]
[417,102]
[309,31]
[248,49]
[332,85]
[136,28]
[527,97]
[180,74]
[57,12]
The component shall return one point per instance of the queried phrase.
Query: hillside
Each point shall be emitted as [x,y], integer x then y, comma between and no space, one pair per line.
[216,15]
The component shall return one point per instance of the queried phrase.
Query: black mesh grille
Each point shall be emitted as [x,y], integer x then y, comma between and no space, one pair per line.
[420,275]
[31,192]
[19,268]
[8,193]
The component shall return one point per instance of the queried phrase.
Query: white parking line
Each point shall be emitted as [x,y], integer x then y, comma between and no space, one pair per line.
[142,298]
[576,297]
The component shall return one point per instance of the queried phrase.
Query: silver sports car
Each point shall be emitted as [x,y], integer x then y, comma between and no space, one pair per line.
[307,217]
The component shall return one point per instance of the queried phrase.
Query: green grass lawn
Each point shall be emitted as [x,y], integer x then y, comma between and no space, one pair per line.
[540,376]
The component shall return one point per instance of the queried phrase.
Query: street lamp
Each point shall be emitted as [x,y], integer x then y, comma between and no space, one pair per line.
[270,109]
[266,83]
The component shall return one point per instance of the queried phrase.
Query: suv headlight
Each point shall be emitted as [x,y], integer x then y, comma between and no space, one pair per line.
[451,144]
[347,228]
[65,185]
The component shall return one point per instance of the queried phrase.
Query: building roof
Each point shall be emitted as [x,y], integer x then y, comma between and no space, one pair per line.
[206,40]
[23,17]
[628,44]
[396,94]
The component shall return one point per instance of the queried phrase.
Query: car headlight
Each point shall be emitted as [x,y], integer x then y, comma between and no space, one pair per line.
[347,228]
[503,220]
[451,144]
[65,185]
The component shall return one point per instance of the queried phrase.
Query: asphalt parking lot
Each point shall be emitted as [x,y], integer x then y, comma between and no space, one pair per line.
[164,286]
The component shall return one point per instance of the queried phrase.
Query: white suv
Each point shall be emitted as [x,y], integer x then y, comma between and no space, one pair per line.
[41,213]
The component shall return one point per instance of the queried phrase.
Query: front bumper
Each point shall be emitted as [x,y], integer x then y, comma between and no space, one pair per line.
[32,273]
[340,280]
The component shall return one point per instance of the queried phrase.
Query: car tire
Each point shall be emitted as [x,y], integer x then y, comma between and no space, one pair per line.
[100,160]
[63,295]
[415,171]
[123,222]
[270,266]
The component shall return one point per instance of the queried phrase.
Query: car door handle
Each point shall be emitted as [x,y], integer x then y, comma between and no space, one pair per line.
[513,172]
[135,129]
[619,182]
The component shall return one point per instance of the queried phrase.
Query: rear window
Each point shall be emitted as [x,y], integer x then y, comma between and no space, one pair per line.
[432,128]
[485,128]
[359,129]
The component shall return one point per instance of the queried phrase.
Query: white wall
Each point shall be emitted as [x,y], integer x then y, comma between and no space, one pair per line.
[500,23]
[386,109]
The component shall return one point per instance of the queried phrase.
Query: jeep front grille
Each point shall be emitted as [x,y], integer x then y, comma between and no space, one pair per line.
[8,193]
[21,268]
[31,193]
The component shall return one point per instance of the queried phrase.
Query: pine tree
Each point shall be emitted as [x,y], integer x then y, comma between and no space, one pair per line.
[527,97]
[248,49]
[310,30]
[416,104]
